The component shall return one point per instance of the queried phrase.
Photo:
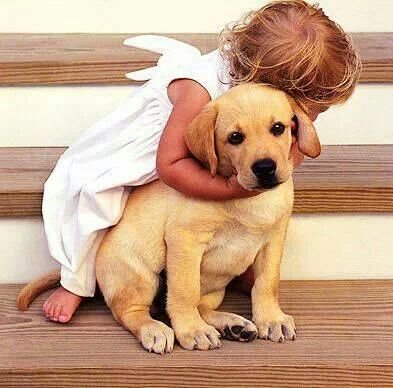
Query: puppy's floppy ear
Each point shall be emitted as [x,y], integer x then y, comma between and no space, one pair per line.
[307,135]
[199,137]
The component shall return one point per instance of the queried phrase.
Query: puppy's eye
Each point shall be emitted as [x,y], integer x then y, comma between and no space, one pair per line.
[235,138]
[277,129]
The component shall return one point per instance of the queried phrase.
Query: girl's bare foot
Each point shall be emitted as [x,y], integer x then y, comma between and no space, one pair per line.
[61,305]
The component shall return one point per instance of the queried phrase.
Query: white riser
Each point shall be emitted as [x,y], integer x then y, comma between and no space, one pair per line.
[55,116]
[169,15]
[318,247]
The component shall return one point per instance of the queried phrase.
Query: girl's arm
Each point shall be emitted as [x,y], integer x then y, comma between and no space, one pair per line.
[175,164]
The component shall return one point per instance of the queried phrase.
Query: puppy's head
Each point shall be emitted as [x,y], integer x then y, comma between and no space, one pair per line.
[247,131]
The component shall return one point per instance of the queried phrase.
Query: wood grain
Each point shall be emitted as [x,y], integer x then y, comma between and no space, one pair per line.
[343,179]
[345,332]
[30,59]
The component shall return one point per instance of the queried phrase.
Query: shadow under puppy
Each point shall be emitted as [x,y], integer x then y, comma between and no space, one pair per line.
[203,245]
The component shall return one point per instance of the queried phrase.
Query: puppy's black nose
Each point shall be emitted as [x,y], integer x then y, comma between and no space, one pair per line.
[264,168]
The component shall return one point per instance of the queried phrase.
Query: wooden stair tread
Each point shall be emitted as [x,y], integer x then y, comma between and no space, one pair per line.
[29,59]
[343,179]
[345,331]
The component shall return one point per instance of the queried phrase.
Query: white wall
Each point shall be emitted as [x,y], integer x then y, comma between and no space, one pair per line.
[168,15]
[56,116]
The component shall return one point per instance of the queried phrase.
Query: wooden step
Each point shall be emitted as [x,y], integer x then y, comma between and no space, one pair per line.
[31,59]
[343,179]
[345,332]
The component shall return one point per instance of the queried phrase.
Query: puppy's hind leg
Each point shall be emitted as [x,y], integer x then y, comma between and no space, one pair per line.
[231,326]
[129,293]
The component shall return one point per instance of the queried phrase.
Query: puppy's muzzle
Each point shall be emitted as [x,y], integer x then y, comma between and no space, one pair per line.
[265,171]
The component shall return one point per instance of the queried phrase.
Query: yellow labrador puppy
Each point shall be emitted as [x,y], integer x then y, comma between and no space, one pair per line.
[203,245]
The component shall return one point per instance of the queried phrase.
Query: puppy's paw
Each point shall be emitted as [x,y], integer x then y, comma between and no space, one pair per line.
[245,332]
[277,328]
[203,337]
[232,327]
[157,337]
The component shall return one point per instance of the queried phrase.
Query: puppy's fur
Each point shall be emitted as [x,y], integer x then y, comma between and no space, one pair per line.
[203,245]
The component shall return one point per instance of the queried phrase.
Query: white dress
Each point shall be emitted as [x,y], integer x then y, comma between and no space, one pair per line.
[87,190]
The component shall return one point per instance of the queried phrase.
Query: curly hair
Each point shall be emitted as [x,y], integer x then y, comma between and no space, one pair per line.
[295,47]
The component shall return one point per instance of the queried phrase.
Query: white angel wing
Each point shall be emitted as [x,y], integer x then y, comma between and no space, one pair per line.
[143,74]
[160,44]
[172,52]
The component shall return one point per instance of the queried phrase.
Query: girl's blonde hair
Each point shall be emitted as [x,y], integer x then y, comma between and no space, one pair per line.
[295,47]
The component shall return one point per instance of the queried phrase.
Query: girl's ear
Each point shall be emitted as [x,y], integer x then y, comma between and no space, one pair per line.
[199,137]
[306,134]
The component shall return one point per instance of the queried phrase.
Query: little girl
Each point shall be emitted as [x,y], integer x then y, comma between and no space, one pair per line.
[291,45]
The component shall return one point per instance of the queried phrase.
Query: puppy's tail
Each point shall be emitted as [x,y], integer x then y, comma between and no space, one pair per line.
[37,287]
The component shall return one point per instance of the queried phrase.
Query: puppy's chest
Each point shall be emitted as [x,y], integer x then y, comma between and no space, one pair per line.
[233,250]
[248,227]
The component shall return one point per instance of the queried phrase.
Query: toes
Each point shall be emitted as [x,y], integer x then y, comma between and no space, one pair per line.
[289,331]
[66,312]
[48,307]
[159,343]
[64,317]
[202,342]
[207,339]
[164,341]
[56,313]
[158,338]
[45,308]
[214,340]
[243,333]
[247,336]
[61,305]
[170,340]
[50,311]
[263,331]
[147,340]
[228,334]
[288,328]
[187,342]
[237,329]
[275,333]
[279,330]
[249,333]
[204,338]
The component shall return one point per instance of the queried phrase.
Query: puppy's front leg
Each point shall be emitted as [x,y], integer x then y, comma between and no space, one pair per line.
[270,320]
[184,257]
